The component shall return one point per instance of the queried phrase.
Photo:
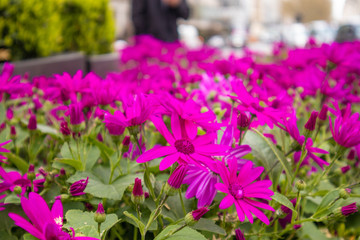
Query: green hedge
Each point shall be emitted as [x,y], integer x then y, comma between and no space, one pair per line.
[38,28]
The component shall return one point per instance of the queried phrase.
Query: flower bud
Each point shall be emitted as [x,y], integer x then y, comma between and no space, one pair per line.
[78,187]
[239,234]
[12,132]
[351,155]
[323,113]
[297,226]
[300,185]
[193,217]
[311,123]
[17,190]
[345,169]
[126,144]
[243,121]
[349,209]
[31,174]
[137,196]
[76,115]
[345,193]
[100,138]
[32,122]
[175,180]
[65,131]
[100,215]
[134,130]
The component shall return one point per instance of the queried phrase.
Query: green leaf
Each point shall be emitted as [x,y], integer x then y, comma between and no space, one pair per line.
[310,231]
[92,154]
[324,207]
[100,189]
[89,231]
[139,224]
[20,163]
[48,130]
[186,233]
[145,215]
[12,198]
[78,219]
[209,225]
[103,147]
[283,201]
[72,162]
[268,155]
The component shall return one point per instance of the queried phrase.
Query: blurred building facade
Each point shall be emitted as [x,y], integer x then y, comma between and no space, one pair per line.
[221,16]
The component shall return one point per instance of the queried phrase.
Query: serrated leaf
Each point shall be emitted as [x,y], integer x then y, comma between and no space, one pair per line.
[209,225]
[100,189]
[283,201]
[77,219]
[20,163]
[72,162]
[186,233]
[266,152]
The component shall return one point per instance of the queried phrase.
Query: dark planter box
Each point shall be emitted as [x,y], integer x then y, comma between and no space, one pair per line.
[69,62]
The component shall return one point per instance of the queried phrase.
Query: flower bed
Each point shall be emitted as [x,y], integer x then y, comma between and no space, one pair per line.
[184,144]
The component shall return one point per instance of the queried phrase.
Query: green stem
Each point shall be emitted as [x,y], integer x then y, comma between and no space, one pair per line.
[135,233]
[156,213]
[175,231]
[182,202]
[317,180]
[303,155]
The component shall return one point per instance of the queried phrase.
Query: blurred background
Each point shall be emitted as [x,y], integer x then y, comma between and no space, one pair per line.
[40,28]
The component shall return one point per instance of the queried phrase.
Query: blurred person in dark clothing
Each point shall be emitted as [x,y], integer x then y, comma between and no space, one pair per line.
[158,17]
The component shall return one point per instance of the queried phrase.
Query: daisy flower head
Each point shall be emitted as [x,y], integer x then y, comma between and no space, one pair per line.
[241,189]
[191,150]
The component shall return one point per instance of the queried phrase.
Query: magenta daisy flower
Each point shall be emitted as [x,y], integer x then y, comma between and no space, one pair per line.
[137,110]
[346,128]
[201,183]
[45,224]
[199,149]
[241,190]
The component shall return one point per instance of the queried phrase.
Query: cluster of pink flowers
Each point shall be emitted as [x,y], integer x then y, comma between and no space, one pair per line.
[202,107]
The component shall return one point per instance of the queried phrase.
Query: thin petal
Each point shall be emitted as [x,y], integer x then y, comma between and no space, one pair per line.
[227,202]
[168,161]
[221,187]
[21,222]
[175,126]
[156,153]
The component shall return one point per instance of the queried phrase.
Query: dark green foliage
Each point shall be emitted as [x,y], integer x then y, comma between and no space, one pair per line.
[39,28]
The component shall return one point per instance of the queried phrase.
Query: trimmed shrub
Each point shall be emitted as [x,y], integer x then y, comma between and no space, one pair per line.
[38,28]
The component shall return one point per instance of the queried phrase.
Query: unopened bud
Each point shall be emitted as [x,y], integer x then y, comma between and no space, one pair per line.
[345,193]
[17,190]
[100,215]
[300,185]
[243,121]
[193,217]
